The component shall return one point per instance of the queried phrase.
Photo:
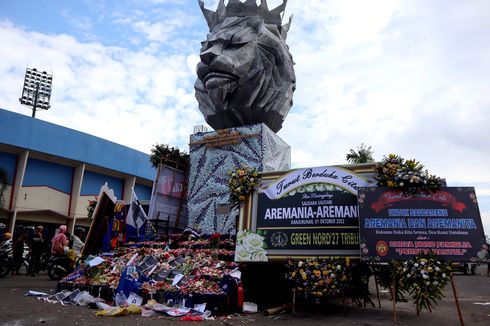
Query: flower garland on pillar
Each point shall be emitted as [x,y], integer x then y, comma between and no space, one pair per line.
[242,182]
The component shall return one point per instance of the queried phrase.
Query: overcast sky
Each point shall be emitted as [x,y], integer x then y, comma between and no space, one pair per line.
[405,77]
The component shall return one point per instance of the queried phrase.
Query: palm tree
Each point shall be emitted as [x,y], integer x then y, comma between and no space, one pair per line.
[363,155]
[162,153]
[3,184]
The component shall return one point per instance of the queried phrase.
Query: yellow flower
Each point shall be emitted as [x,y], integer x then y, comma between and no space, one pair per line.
[293,274]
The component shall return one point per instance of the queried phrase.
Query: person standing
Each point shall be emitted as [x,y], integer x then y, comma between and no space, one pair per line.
[77,241]
[59,242]
[18,249]
[37,249]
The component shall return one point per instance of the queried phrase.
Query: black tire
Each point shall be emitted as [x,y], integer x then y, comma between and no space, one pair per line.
[4,270]
[53,273]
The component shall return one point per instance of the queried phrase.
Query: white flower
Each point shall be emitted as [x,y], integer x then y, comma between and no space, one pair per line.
[253,242]
[404,269]
[259,255]
[435,282]
[409,275]
[422,263]
[427,283]
[437,269]
[240,236]
[339,267]
[300,263]
[241,254]
[425,276]
[416,265]
[443,275]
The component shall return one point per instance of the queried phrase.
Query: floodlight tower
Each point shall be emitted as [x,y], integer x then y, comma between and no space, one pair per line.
[36,92]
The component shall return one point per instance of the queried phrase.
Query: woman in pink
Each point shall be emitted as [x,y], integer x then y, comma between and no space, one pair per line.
[59,241]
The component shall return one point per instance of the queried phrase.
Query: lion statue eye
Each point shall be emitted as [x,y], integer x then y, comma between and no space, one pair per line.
[234,45]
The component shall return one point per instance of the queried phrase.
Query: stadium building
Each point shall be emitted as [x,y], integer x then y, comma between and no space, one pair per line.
[53,172]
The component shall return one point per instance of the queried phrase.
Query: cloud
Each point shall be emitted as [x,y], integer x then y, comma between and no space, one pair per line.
[129,97]
[405,77]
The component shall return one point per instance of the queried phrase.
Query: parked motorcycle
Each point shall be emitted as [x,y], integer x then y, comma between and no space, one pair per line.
[6,263]
[59,267]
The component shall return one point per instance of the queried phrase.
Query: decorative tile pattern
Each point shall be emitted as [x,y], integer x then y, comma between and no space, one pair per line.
[209,167]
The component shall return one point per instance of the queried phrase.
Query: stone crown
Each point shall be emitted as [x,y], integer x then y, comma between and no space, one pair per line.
[236,8]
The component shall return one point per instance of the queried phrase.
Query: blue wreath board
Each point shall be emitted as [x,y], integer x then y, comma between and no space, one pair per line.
[208,177]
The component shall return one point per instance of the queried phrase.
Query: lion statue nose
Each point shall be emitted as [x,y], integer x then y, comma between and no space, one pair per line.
[211,53]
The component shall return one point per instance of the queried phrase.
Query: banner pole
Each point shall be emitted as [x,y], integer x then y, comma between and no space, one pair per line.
[377,290]
[457,301]
[294,301]
[393,297]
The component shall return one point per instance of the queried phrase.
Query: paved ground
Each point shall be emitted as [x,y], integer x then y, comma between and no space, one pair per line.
[17,309]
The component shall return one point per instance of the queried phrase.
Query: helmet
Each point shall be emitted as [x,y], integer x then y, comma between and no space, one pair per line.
[7,236]
[79,230]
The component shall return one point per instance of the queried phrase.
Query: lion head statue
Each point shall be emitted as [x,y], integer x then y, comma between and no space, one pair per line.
[246,73]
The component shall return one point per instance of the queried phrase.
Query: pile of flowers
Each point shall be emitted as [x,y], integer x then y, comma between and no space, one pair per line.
[202,269]
[407,175]
[318,278]
[424,278]
[214,240]
[241,183]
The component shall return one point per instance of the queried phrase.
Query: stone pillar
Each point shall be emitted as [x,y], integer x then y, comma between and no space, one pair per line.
[212,155]
[75,195]
[128,187]
[19,180]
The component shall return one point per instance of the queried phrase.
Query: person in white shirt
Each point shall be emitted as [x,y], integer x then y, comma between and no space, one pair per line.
[77,242]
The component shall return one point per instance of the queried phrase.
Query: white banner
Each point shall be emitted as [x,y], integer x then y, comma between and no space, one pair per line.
[334,175]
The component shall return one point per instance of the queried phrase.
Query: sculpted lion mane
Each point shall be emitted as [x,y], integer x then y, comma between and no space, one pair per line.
[246,73]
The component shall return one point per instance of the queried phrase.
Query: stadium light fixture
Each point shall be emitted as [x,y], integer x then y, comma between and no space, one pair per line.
[36,92]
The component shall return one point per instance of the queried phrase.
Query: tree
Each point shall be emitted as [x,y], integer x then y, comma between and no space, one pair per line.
[363,155]
[172,156]
[3,184]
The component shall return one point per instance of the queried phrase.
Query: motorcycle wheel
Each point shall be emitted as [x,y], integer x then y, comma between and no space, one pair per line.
[54,273]
[4,270]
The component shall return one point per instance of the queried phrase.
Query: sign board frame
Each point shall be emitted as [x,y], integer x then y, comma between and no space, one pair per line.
[249,227]
[397,225]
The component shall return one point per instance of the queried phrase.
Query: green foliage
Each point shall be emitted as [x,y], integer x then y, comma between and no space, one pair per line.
[324,279]
[422,278]
[172,156]
[363,155]
[3,184]
[407,175]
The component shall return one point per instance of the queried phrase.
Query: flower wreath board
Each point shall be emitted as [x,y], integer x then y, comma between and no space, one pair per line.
[309,212]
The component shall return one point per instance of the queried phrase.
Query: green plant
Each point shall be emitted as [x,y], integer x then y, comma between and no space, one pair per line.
[363,155]
[91,207]
[3,184]
[422,278]
[172,156]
